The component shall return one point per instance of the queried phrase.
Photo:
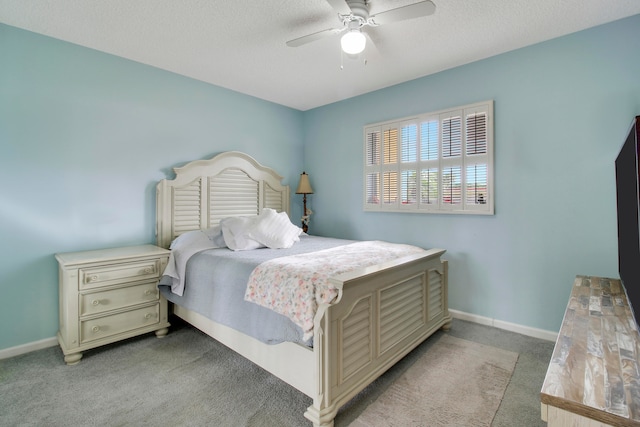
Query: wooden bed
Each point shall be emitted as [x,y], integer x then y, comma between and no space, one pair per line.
[374,322]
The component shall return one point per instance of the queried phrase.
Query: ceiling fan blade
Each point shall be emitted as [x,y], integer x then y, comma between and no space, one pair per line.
[416,10]
[340,6]
[312,37]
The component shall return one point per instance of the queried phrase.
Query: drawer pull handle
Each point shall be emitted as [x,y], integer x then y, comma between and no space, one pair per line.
[148,316]
[148,292]
[148,270]
[93,278]
[95,329]
[95,302]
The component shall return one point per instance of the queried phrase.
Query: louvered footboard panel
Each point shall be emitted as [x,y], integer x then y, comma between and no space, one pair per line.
[402,311]
[436,301]
[381,317]
[357,350]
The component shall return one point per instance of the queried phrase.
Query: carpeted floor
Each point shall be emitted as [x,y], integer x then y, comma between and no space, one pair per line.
[188,379]
[456,383]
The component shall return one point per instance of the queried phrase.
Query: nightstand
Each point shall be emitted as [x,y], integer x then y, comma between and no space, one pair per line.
[109,295]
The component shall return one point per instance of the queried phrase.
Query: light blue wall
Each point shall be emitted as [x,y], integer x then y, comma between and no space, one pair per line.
[84,137]
[562,111]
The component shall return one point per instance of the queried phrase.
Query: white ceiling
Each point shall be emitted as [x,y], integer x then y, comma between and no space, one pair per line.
[240,44]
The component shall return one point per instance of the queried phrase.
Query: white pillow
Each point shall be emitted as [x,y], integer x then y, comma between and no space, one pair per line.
[215,235]
[235,231]
[197,238]
[274,230]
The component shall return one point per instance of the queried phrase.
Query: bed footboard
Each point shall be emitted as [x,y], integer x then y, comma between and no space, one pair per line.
[381,314]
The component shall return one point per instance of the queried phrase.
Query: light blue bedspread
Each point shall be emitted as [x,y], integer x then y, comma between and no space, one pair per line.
[216,280]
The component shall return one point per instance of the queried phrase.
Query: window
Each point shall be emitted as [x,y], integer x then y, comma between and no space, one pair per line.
[438,162]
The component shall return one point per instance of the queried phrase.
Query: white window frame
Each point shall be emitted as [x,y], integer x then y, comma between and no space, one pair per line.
[459,140]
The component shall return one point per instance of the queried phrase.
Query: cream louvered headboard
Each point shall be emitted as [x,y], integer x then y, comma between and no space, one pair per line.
[205,191]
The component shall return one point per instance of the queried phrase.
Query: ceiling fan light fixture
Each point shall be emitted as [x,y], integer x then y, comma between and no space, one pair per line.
[353,42]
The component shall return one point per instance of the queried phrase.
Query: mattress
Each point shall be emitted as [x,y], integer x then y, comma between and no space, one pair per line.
[216,281]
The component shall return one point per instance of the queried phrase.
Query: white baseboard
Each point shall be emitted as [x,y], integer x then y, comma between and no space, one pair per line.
[524,330]
[507,326]
[28,347]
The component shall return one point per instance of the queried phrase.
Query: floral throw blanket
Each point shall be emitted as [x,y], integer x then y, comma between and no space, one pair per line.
[295,285]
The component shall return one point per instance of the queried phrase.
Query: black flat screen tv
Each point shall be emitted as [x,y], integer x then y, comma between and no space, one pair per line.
[628,203]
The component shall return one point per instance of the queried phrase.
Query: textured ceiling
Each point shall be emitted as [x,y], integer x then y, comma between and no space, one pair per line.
[240,44]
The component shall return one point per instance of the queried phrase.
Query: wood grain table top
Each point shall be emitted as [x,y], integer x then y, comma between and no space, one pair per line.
[595,370]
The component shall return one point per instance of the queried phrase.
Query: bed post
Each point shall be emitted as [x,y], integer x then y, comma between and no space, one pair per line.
[322,413]
[163,215]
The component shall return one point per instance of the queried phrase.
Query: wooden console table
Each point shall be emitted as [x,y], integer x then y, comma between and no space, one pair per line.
[593,378]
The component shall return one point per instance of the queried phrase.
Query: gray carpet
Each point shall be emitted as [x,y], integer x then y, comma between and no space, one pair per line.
[188,379]
[456,383]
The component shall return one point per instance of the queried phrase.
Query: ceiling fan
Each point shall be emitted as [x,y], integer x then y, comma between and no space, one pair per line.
[354,15]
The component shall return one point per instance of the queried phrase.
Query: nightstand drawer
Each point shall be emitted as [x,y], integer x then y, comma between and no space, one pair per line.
[112,299]
[119,273]
[102,327]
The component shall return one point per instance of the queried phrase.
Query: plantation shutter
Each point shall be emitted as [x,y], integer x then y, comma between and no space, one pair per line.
[373,147]
[451,160]
[436,162]
[477,195]
[409,164]
[429,163]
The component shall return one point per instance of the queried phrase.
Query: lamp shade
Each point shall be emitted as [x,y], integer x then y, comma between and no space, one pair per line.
[304,187]
[353,42]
